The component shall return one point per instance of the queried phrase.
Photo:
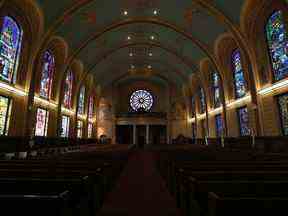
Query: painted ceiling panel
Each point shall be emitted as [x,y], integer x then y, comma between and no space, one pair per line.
[231,8]
[206,27]
[53,11]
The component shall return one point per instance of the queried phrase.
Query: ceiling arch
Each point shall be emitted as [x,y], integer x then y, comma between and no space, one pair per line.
[163,68]
[189,63]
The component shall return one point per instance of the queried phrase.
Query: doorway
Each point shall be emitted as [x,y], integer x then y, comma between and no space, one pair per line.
[141,136]
[158,134]
[124,134]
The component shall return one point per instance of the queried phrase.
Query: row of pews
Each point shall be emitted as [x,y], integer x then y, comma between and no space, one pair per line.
[73,184]
[222,183]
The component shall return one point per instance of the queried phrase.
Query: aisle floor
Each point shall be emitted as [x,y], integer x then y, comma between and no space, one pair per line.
[140,190]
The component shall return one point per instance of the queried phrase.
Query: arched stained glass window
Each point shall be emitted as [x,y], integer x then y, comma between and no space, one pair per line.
[91,108]
[42,117]
[90,130]
[202,100]
[5,113]
[80,126]
[65,124]
[219,125]
[68,85]
[10,47]
[81,101]
[47,75]
[238,73]
[278,45]
[283,110]
[243,118]
[216,89]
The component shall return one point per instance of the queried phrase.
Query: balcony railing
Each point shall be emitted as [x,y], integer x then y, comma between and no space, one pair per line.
[161,115]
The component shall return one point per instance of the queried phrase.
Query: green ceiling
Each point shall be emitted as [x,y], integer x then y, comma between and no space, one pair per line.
[175,56]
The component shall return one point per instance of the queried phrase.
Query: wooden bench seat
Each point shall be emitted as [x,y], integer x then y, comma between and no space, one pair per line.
[224,205]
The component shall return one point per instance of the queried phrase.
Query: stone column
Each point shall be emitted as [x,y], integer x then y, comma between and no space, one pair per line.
[147,134]
[134,134]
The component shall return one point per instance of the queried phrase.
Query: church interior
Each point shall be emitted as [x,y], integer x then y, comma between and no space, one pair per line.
[144,107]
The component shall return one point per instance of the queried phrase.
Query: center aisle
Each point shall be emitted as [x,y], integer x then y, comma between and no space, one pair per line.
[140,191]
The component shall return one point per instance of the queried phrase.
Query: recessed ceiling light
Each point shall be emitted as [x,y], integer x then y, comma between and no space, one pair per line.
[125,12]
[155,12]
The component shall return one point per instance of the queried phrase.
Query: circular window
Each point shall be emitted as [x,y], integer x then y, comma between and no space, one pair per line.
[141,100]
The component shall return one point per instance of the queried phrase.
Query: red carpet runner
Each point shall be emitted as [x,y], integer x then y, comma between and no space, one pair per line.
[140,191]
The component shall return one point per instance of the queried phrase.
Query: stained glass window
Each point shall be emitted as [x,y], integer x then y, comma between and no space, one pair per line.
[79,129]
[238,73]
[41,128]
[68,90]
[5,111]
[278,45]
[202,101]
[141,100]
[47,75]
[283,109]
[10,47]
[91,108]
[90,129]
[65,124]
[219,125]
[243,118]
[81,101]
[216,89]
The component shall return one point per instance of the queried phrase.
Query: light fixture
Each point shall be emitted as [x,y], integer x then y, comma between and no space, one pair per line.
[239,102]
[274,88]
[44,102]
[11,89]
[155,12]
[152,37]
[150,54]
[67,111]
[128,38]
[149,66]
[132,67]
[125,12]
[130,54]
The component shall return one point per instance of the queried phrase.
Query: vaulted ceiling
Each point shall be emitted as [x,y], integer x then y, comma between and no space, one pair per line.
[121,39]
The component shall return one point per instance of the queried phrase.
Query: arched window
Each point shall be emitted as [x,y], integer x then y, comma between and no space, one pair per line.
[47,75]
[81,101]
[68,85]
[278,45]
[91,108]
[243,118]
[10,47]
[216,89]
[238,73]
[202,101]
[219,125]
